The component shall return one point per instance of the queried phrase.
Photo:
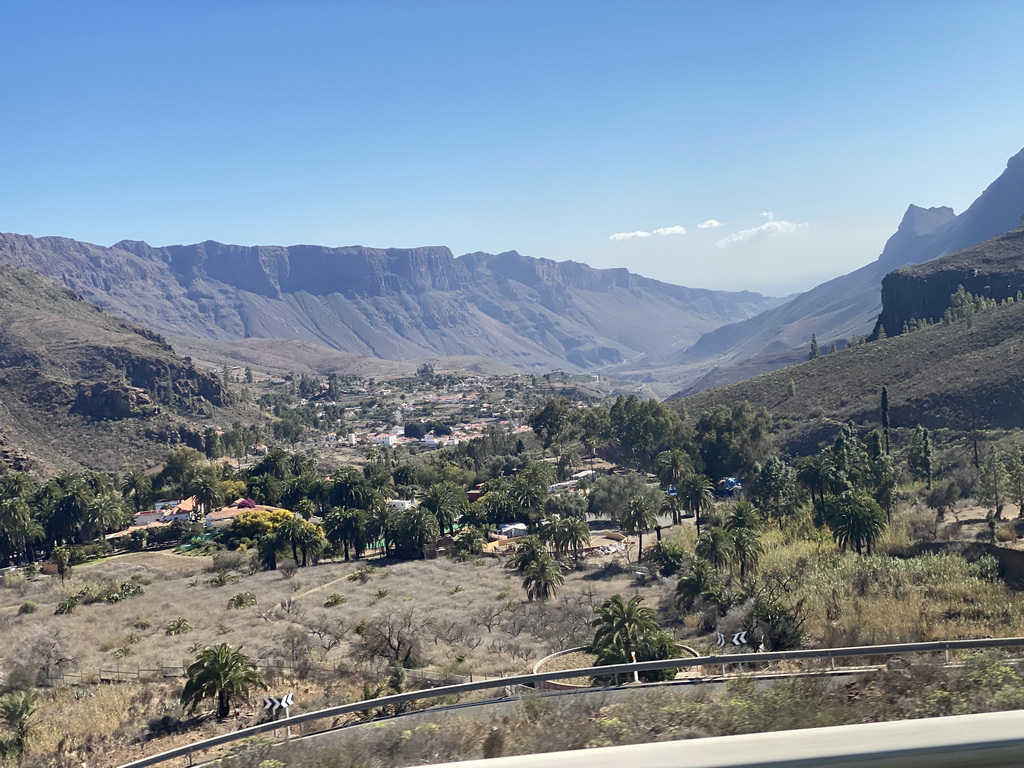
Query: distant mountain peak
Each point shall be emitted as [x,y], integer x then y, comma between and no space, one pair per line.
[923,221]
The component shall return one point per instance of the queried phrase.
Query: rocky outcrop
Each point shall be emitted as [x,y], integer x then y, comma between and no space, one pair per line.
[994,269]
[112,400]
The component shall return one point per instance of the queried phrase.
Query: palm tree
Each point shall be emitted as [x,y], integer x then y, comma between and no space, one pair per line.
[574,534]
[447,501]
[639,516]
[15,526]
[700,581]
[716,547]
[474,514]
[382,523]
[350,489]
[622,629]
[306,508]
[136,486]
[417,527]
[275,463]
[747,550]
[311,542]
[565,534]
[568,463]
[743,516]
[698,495]
[499,505]
[343,527]
[542,577]
[814,474]
[528,492]
[71,510]
[289,533]
[265,488]
[16,711]
[107,513]
[528,549]
[672,466]
[470,541]
[673,505]
[223,673]
[61,557]
[855,519]
[589,446]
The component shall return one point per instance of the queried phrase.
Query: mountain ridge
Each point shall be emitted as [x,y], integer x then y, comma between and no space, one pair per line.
[398,304]
[849,305]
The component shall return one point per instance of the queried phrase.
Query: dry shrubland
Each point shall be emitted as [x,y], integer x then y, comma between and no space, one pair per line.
[334,627]
[464,617]
[338,626]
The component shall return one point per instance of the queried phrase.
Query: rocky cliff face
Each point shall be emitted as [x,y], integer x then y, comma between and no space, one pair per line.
[399,304]
[994,269]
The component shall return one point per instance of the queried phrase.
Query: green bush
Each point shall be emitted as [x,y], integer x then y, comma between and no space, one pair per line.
[334,600]
[100,592]
[242,600]
[27,607]
[178,626]
[222,578]
[67,605]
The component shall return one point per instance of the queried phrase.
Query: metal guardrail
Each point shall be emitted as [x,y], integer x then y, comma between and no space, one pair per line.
[940,646]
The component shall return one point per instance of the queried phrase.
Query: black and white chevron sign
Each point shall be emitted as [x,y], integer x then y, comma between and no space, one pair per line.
[274,703]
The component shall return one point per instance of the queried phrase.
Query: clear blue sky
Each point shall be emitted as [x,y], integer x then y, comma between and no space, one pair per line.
[544,127]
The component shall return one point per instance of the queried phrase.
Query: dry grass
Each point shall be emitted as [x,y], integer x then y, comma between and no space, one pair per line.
[466,618]
[472,615]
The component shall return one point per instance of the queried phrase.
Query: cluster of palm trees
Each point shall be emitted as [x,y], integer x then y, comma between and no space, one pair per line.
[731,548]
[541,571]
[852,485]
[71,508]
[688,491]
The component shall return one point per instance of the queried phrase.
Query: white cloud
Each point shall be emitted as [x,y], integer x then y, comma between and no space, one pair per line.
[640,233]
[767,215]
[709,224]
[770,227]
